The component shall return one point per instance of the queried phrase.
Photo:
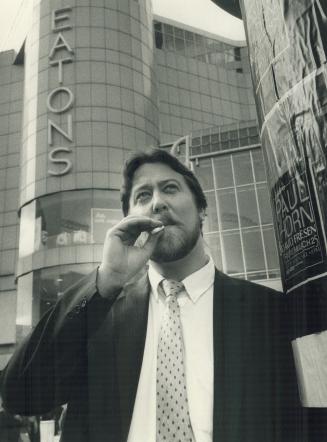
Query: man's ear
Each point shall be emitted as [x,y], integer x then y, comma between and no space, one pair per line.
[202,215]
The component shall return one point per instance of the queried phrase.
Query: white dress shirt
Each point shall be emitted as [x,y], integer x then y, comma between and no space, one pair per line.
[196,308]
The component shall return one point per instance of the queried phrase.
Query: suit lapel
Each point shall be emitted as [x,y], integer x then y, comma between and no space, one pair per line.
[131,317]
[218,355]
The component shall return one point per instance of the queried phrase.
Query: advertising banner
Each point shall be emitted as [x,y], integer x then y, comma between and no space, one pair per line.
[287,42]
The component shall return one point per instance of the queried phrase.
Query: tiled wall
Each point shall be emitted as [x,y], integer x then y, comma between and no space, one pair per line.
[112,80]
[11,86]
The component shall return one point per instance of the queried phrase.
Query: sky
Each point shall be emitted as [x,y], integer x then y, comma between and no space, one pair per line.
[14,19]
[200,14]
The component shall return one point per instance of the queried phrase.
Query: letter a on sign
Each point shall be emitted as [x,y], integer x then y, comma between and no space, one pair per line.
[60,43]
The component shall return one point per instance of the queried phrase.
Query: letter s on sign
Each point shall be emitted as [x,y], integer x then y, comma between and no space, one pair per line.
[65,161]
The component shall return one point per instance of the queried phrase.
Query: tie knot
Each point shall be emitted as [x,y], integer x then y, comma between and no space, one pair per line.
[171,287]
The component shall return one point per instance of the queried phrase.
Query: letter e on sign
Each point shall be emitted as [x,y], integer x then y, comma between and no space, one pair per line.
[58,16]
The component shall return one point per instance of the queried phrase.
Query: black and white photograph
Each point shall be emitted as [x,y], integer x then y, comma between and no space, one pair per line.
[163,221]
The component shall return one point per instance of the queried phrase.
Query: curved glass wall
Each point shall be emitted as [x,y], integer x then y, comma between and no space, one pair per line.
[194,45]
[67,219]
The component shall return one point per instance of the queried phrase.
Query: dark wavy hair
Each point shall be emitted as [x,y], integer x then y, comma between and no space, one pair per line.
[159,156]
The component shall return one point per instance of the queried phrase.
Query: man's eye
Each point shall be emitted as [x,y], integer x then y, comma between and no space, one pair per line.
[170,188]
[143,196]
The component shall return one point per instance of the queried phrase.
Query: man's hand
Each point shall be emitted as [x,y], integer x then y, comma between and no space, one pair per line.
[122,258]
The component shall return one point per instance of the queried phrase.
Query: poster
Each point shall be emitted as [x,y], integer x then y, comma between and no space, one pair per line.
[287,46]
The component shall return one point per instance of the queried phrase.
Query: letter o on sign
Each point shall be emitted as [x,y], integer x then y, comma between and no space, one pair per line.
[64,107]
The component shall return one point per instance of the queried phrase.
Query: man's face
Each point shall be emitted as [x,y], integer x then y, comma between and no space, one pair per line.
[161,193]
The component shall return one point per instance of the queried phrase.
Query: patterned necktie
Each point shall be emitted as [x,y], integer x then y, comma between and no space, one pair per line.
[173,419]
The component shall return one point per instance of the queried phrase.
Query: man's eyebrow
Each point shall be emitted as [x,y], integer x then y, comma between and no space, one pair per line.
[141,186]
[169,180]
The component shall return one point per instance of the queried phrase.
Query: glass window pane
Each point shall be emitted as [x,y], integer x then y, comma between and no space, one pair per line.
[253,250]
[75,212]
[224,136]
[158,39]
[106,199]
[103,219]
[206,148]
[169,42]
[196,141]
[190,48]
[232,253]
[258,165]
[179,32]
[105,213]
[204,174]
[276,274]
[234,143]
[233,135]
[223,171]
[257,276]
[67,219]
[211,220]
[189,35]
[214,245]
[180,45]
[253,130]
[264,204]
[227,209]
[242,168]
[168,28]
[271,248]
[255,139]
[247,206]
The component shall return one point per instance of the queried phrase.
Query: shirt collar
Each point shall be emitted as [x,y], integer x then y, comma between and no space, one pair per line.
[195,284]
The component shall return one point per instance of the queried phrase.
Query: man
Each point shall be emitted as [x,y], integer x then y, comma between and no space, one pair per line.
[140,357]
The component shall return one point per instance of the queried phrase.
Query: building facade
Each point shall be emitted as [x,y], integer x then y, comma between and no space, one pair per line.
[239,230]
[93,82]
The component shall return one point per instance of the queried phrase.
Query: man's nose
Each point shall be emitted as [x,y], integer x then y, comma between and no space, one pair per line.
[158,203]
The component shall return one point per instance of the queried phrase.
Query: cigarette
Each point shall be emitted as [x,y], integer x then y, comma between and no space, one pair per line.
[157,230]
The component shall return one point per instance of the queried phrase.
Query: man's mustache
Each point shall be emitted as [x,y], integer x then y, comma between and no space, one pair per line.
[166,219]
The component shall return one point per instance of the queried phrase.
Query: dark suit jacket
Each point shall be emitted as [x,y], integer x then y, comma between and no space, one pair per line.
[88,351]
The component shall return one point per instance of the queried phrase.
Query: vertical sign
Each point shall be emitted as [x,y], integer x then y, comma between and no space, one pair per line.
[60,100]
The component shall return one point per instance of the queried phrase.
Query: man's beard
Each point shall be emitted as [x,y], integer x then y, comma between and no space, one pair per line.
[175,244]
